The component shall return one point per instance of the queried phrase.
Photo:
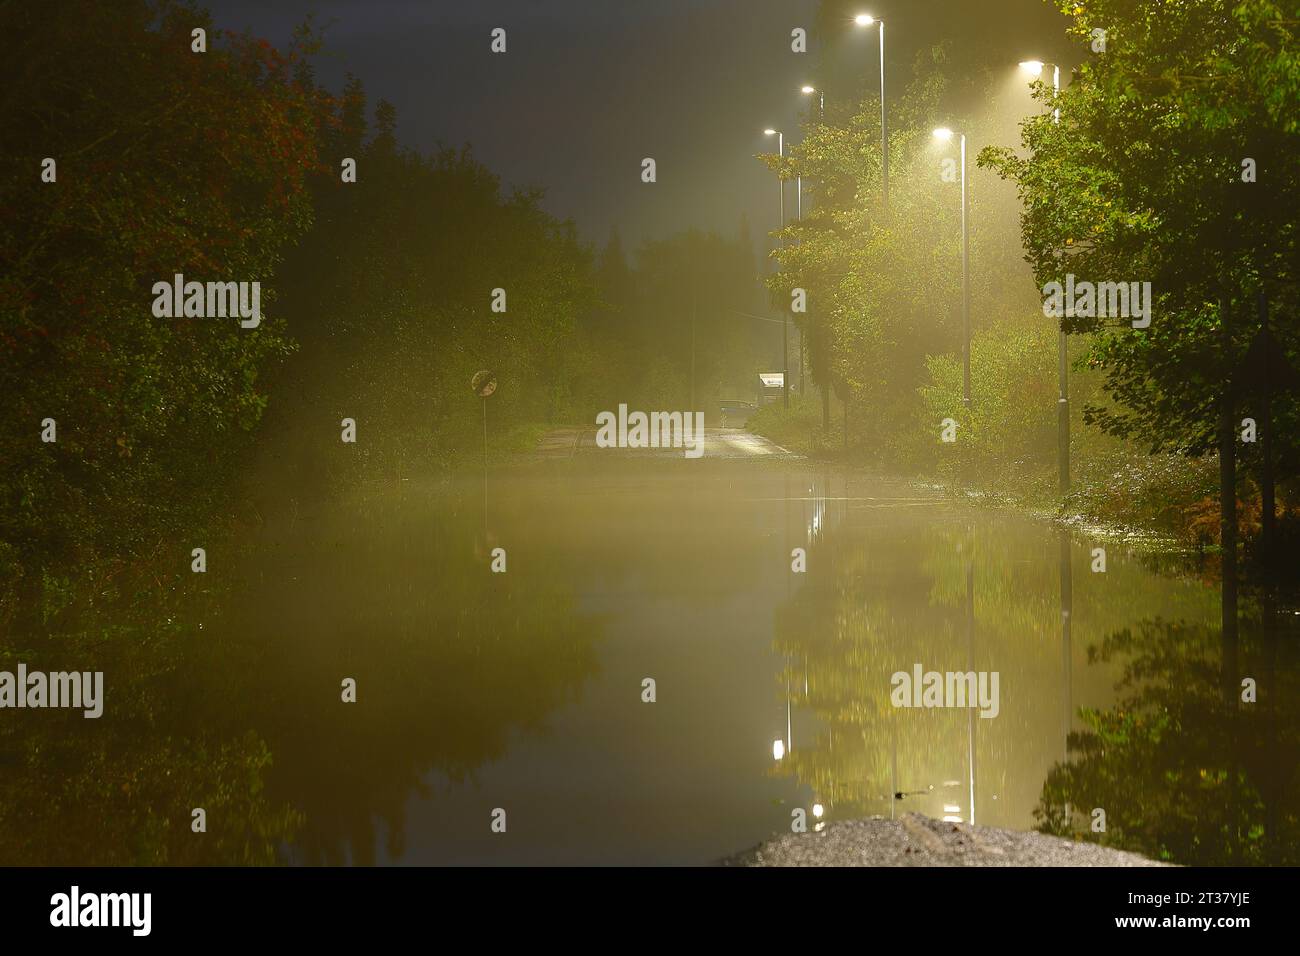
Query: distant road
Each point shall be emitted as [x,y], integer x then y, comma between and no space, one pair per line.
[719,442]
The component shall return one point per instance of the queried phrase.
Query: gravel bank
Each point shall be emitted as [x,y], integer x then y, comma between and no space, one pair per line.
[916,840]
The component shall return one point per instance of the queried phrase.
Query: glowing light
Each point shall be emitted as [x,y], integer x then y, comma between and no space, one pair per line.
[778,749]
[818,810]
[943,133]
[1033,67]
[864,20]
[807,89]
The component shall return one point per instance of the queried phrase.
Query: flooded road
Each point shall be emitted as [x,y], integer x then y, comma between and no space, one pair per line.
[525,690]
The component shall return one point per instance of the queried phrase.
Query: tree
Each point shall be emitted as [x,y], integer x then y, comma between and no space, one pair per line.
[168,161]
[1145,179]
[884,286]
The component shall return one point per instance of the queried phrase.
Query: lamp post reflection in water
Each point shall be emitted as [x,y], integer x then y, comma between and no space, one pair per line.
[1067,661]
[970,667]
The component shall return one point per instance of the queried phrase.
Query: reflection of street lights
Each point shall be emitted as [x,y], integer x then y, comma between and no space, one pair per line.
[970,666]
[778,749]
[864,20]
[1067,658]
[945,134]
[1034,68]
[785,329]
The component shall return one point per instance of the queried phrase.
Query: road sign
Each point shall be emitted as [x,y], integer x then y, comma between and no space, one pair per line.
[484,383]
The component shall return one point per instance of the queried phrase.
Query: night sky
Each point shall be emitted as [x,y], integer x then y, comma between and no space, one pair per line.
[590,87]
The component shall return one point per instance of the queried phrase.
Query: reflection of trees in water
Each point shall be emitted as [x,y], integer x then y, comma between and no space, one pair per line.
[450,661]
[226,695]
[1184,770]
[899,588]
[119,790]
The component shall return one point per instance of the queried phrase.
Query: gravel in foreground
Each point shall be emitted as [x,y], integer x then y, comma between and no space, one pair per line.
[916,840]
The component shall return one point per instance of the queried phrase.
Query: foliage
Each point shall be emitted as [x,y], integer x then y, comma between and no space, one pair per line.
[885,283]
[1142,180]
[167,162]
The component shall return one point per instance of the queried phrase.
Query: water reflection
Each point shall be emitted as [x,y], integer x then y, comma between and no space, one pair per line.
[1183,769]
[898,582]
[451,662]
[523,690]
[119,790]
[235,705]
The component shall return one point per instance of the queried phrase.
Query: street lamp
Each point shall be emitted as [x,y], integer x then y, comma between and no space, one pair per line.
[1034,68]
[780,180]
[865,20]
[945,134]
[807,90]
[785,328]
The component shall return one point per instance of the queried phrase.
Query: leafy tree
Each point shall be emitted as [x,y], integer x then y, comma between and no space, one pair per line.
[885,284]
[168,161]
[1142,180]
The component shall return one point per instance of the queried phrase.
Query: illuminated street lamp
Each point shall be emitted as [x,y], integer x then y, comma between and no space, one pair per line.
[780,180]
[1034,68]
[865,20]
[946,135]
[807,90]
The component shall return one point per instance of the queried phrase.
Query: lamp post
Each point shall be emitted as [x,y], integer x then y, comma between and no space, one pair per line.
[1034,68]
[785,328]
[865,20]
[945,134]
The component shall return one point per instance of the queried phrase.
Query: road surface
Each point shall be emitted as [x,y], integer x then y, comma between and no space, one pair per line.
[719,442]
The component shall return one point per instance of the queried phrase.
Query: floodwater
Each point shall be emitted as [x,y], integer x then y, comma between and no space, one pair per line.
[519,698]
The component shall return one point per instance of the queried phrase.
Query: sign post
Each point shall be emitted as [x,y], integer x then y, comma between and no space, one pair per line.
[484,383]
